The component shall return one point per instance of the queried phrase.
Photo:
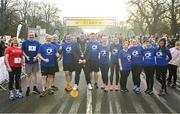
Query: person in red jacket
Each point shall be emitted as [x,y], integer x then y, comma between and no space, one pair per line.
[14,60]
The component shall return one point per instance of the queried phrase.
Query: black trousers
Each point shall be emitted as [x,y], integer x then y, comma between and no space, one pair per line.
[123,79]
[114,68]
[149,72]
[104,72]
[136,71]
[86,69]
[14,74]
[172,73]
[161,72]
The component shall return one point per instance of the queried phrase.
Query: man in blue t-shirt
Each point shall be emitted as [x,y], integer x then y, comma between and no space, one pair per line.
[68,60]
[57,45]
[47,53]
[30,49]
[93,48]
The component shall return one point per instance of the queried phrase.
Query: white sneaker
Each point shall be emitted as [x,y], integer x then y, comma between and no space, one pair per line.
[90,86]
[75,87]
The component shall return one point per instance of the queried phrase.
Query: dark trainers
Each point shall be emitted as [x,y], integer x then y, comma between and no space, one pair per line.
[150,92]
[162,92]
[50,92]
[54,88]
[96,85]
[173,86]
[147,91]
[27,91]
[43,93]
[35,90]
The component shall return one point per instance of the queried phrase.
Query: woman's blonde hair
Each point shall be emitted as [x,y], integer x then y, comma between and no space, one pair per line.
[13,41]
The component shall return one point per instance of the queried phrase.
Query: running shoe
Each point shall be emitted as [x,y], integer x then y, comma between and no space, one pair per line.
[103,86]
[168,84]
[90,86]
[161,92]
[173,86]
[150,92]
[126,90]
[137,90]
[18,95]
[111,87]
[68,87]
[12,97]
[50,91]
[35,90]
[134,88]
[43,93]
[116,88]
[54,88]
[96,85]
[106,88]
[147,91]
[27,91]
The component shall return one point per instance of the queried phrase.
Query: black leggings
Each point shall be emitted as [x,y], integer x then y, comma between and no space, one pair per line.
[86,69]
[149,72]
[136,71]
[15,73]
[172,72]
[123,79]
[161,72]
[114,66]
[104,72]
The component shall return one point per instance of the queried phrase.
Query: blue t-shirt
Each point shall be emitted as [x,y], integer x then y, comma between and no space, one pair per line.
[125,57]
[48,52]
[149,55]
[67,52]
[30,48]
[104,54]
[161,57]
[93,48]
[114,52]
[56,45]
[137,55]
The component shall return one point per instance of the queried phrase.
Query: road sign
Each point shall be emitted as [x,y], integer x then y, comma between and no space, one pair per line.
[130,33]
[56,32]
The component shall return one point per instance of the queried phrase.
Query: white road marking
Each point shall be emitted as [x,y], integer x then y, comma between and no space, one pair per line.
[89,102]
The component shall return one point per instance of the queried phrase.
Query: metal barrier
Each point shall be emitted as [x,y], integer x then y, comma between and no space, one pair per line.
[3,74]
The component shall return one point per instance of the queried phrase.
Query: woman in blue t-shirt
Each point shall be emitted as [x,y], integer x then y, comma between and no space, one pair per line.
[104,62]
[163,55]
[149,53]
[114,65]
[124,65]
[136,53]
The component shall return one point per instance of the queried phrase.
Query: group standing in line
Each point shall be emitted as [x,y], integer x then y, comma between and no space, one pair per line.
[91,55]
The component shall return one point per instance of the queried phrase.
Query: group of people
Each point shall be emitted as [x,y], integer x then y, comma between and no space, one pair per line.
[92,55]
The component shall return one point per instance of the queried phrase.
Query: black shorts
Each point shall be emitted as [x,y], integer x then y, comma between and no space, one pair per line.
[94,66]
[56,67]
[45,71]
[69,67]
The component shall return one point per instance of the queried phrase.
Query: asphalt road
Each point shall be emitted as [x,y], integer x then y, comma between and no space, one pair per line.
[96,101]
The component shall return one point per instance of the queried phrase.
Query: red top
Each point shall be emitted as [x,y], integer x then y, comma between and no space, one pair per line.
[15,56]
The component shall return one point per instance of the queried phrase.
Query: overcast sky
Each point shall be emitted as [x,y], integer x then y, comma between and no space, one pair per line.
[92,8]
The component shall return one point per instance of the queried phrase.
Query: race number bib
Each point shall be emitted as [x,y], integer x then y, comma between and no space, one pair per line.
[17,60]
[32,48]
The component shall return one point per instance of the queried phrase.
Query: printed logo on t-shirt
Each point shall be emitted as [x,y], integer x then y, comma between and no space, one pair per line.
[135,53]
[114,51]
[68,50]
[94,47]
[147,55]
[17,60]
[103,53]
[159,54]
[129,58]
[31,48]
[49,51]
